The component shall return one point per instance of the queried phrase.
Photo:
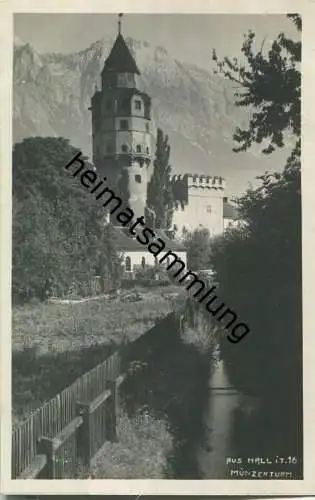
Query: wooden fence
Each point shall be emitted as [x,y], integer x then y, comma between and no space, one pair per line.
[69,429]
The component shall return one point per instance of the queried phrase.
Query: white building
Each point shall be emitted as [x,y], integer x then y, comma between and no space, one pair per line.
[137,256]
[121,130]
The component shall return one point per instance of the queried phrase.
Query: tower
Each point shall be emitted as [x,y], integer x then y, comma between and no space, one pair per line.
[121,123]
[199,202]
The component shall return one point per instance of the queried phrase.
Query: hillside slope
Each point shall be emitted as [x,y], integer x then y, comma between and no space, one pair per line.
[52,95]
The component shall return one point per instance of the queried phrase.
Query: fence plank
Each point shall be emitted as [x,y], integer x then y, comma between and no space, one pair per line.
[54,415]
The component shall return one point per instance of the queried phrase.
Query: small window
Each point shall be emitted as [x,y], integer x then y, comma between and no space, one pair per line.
[138,178]
[147,127]
[143,262]
[138,148]
[124,124]
[148,150]
[124,148]
[128,264]
[209,209]
[138,104]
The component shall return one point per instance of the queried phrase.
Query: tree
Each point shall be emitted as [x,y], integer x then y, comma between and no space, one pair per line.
[57,225]
[112,267]
[258,265]
[198,249]
[272,86]
[159,210]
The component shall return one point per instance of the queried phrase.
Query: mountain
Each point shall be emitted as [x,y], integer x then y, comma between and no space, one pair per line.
[52,94]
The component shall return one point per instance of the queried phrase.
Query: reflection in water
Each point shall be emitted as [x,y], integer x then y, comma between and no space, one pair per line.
[215,449]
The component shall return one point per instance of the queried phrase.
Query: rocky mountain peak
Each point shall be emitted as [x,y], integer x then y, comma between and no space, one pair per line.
[52,94]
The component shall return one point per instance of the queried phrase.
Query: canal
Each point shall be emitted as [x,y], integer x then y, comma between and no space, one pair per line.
[223,399]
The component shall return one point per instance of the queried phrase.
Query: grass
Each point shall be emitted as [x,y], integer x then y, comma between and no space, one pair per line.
[54,344]
[144,443]
[171,380]
[63,327]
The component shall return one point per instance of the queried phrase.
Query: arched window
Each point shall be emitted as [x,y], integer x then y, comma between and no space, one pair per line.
[143,262]
[124,148]
[148,150]
[138,148]
[128,263]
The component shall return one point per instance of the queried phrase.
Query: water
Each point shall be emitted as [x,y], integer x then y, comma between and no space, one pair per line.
[217,446]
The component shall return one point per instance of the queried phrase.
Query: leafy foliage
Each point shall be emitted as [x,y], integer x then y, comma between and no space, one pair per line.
[159,210]
[258,265]
[271,85]
[57,226]
[198,249]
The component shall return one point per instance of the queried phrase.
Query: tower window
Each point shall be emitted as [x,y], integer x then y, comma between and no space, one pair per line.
[128,264]
[138,104]
[124,124]
[143,262]
[147,127]
[148,150]
[124,148]
[138,148]
[138,178]
[209,209]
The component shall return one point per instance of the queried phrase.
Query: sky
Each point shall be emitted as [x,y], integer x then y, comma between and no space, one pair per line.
[186,37]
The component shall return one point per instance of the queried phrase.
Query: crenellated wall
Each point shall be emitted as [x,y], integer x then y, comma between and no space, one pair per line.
[199,202]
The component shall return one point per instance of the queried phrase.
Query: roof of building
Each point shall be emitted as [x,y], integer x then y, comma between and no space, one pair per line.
[230,211]
[127,243]
[120,59]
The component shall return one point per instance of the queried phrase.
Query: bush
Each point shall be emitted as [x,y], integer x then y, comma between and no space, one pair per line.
[58,230]
[259,270]
[151,274]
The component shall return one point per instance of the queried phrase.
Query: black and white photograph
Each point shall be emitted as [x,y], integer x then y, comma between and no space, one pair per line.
[156,306]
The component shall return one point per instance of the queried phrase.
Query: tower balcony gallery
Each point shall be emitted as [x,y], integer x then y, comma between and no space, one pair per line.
[121,125]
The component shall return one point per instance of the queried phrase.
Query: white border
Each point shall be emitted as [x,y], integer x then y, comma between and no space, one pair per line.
[161,487]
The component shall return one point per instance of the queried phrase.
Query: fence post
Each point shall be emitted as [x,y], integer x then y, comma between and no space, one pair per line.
[46,447]
[111,420]
[84,433]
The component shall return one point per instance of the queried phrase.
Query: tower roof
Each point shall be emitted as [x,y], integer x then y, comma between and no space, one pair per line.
[120,59]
